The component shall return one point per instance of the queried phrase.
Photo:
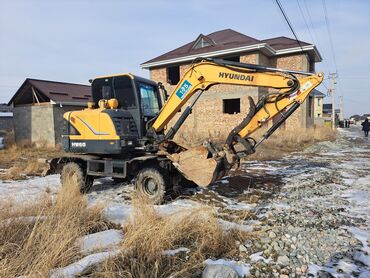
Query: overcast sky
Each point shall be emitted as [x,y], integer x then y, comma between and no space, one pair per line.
[74,40]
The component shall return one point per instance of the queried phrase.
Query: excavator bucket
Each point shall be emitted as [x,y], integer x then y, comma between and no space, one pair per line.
[197,165]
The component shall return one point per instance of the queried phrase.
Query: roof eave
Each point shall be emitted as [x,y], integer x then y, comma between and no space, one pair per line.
[205,55]
[298,49]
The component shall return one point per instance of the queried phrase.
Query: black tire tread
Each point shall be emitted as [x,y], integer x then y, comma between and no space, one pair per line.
[83,182]
[160,173]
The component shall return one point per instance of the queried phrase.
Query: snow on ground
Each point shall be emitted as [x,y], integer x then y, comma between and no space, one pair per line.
[101,241]
[240,267]
[30,189]
[82,265]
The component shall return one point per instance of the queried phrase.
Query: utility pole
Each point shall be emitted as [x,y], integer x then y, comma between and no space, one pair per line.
[332,91]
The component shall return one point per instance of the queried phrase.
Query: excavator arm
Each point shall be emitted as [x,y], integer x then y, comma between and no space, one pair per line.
[207,163]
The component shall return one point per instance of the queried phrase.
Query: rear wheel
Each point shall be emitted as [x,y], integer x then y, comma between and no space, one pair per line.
[74,174]
[153,183]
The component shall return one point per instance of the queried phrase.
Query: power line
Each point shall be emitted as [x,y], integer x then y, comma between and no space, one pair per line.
[305,21]
[329,33]
[311,22]
[289,24]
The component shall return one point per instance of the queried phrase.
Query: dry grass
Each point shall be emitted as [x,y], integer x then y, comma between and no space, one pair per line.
[22,160]
[285,141]
[148,234]
[33,246]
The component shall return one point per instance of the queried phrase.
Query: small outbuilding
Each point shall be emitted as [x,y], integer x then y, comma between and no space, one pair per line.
[38,108]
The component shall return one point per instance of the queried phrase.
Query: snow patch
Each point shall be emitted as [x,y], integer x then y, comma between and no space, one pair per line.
[30,189]
[227,226]
[258,257]
[118,214]
[240,267]
[82,265]
[100,241]
[173,252]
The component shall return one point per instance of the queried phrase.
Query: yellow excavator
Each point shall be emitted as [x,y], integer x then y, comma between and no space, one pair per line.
[123,133]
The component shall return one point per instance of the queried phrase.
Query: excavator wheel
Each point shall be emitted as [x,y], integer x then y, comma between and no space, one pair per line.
[74,174]
[152,182]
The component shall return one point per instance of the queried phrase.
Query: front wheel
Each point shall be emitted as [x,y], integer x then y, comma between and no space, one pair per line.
[74,174]
[152,182]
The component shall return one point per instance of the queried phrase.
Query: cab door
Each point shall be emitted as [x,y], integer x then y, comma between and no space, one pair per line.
[150,103]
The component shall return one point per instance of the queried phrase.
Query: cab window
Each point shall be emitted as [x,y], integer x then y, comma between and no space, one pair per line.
[119,87]
[149,99]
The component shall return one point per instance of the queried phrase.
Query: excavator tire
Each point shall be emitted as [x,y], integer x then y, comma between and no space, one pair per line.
[74,174]
[152,182]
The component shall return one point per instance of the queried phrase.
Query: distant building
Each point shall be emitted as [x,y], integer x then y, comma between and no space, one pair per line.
[229,104]
[6,118]
[39,105]
[367,116]
[318,99]
[327,114]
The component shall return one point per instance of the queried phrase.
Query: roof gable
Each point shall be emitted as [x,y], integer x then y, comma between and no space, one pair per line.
[51,91]
[202,41]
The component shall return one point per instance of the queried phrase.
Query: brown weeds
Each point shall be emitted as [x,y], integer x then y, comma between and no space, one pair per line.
[148,234]
[285,141]
[22,160]
[45,239]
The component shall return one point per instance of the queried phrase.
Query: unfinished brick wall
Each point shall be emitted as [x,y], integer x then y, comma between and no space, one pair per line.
[300,62]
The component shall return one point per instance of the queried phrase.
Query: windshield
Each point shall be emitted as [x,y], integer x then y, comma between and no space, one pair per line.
[119,87]
[149,99]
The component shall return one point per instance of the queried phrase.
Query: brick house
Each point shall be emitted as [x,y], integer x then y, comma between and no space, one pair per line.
[38,108]
[229,104]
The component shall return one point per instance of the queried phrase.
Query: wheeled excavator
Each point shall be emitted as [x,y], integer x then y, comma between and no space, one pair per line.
[124,132]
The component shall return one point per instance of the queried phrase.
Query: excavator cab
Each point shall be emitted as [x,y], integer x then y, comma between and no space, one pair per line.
[137,95]
[115,123]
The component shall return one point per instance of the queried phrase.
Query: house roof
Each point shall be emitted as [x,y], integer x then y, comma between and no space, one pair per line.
[317,93]
[52,91]
[230,42]
[279,43]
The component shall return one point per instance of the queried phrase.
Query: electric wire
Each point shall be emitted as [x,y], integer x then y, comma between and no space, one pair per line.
[330,35]
[311,23]
[305,21]
[289,23]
